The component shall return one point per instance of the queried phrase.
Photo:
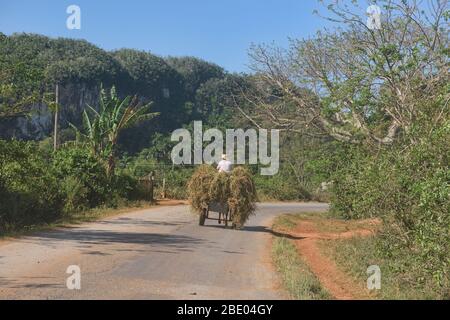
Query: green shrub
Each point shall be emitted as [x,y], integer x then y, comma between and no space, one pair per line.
[406,185]
[75,193]
[280,187]
[78,164]
[128,187]
[29,193]
[38,186]
[176,183]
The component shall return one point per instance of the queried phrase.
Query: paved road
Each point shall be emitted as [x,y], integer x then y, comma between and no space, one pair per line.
[158,253]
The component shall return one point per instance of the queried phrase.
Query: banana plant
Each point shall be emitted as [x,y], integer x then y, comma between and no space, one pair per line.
[102,127]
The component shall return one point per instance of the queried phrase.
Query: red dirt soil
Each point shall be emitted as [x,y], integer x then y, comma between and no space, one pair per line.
[337,283]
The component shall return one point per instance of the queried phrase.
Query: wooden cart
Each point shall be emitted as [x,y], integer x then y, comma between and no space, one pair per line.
[222,209]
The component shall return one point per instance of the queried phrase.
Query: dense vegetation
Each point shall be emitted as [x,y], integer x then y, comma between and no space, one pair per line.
[383,96]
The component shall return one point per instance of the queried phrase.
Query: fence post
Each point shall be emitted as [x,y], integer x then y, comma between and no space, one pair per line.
[151,178]
[164,188]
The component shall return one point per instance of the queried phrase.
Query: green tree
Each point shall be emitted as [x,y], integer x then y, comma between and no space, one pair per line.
[215,100]
[17,89]
[102,128]
[368,83]
[195,72]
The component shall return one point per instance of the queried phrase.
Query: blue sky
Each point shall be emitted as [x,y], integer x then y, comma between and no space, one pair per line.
[219,31]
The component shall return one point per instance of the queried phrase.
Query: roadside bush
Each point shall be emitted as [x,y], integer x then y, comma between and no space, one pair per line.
[407,186]
[77,166]
[356,188]
[280,187]
[37,186]
[28,191]
[127,187]
[176,182]
[75,193]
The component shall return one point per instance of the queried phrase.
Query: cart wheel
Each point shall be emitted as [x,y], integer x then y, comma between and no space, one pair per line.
[202,217]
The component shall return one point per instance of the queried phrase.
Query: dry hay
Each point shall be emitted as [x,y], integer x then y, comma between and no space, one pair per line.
[199,185]
[236,189]
[219,190]
[242,195]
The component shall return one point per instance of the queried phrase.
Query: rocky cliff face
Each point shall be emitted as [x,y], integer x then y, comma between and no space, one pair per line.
[73,99]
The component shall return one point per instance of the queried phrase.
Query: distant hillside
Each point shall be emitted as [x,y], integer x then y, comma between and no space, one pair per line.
[176,85]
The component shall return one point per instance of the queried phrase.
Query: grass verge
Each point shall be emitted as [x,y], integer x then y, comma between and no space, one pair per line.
[355,255]
[297,278]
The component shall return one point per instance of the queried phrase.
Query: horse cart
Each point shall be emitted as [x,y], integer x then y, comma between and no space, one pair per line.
[225,214]
[228,198]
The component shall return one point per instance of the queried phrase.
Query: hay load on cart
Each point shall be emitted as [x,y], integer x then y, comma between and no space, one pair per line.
[231,195]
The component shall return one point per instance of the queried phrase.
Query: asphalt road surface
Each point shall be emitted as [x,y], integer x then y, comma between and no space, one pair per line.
[158,253]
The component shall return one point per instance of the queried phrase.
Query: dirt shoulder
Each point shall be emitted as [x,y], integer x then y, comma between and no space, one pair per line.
[307,230]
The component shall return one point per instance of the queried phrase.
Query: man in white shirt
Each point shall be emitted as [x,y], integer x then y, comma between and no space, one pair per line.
[224,165]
